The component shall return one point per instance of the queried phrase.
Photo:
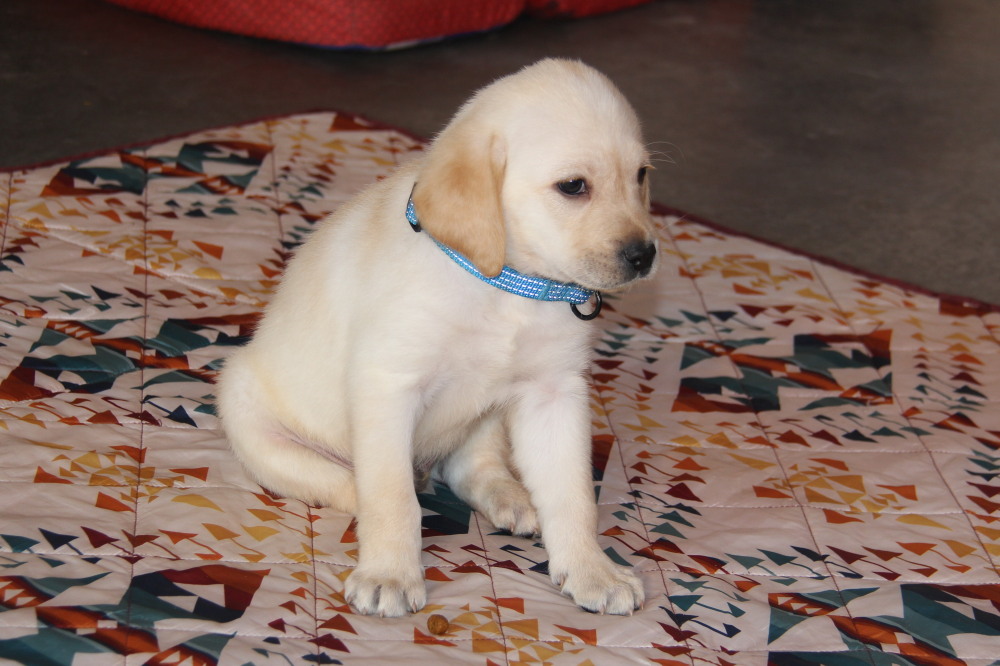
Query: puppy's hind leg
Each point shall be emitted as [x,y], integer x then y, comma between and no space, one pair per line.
[275,458]
[479,473]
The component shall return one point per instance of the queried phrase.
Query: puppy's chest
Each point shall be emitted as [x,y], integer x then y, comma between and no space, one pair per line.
[476,370]
[480,373]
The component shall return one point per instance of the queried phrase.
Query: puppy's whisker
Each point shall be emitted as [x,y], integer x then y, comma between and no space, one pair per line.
[668,152]
[662,158]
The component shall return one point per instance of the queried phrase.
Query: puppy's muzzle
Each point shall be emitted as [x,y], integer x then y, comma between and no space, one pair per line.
[638,258]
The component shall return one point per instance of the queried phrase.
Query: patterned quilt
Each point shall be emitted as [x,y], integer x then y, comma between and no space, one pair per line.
[802,462]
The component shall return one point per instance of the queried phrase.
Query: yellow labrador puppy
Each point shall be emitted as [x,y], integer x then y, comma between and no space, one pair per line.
[461,347]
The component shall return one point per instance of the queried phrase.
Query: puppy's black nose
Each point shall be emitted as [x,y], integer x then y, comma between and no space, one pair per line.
[639,256]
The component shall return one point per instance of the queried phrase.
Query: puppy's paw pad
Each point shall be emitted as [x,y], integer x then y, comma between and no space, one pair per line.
[386,595]
[607,589]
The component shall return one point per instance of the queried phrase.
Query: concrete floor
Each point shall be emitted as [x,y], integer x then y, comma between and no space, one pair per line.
[863,130]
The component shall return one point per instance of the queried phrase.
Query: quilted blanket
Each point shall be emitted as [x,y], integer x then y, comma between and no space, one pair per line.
[802,462]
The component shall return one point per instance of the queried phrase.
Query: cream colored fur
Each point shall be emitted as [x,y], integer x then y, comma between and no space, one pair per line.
[380,350]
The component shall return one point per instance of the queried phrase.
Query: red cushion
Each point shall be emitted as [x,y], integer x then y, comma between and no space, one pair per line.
[369,24]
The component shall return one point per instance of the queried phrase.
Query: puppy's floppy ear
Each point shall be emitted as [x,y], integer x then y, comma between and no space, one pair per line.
[457,196]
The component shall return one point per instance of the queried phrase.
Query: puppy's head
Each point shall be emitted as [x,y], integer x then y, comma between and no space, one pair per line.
[544,170]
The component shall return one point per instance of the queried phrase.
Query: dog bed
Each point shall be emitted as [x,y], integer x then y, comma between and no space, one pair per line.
[366,24]
[802,462]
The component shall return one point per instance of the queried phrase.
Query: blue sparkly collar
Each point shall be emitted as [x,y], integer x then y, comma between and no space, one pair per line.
[510,280]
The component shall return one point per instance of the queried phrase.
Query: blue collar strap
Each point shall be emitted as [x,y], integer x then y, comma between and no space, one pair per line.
[539,289]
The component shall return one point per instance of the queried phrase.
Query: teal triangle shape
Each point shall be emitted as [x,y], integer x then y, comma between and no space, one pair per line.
[685,601]
[778,558]
[18,544]
[781,622]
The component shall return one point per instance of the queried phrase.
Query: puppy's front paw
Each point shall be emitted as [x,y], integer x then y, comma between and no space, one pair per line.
[603,587]
[385,594]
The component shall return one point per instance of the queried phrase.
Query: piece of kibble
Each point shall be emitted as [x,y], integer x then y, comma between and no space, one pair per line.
[437,624]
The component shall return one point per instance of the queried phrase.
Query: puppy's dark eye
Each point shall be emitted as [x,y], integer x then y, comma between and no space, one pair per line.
[573,188]
[641,178]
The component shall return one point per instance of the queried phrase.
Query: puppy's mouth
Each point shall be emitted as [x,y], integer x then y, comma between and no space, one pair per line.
[633,261]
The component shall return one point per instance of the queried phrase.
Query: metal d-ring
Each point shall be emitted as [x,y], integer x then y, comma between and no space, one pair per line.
[598,302]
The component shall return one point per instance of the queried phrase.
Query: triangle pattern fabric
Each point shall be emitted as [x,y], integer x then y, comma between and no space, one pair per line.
[801,461]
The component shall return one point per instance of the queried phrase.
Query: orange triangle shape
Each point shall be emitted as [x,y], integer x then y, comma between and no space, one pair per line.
[41,476]
[513,603]
[849,498]
[908,492]
[526,627]
[884,555]
[853,481]
[197,472]
[107,502]
[210,249]
[740,289]
[960,549]
[690,464]
[588,636]
[434,573]
[420,638]
[813,496]
[836,517]
[832,462]
[762,491]
[918,548]
[177,537]
[219,532]
[481,643]
[338,622]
